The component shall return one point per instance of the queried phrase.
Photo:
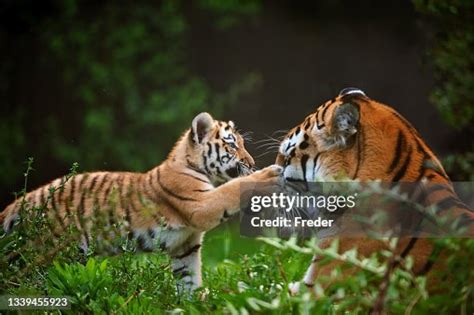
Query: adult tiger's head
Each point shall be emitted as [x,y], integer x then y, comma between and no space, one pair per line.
[217,149]
[353,136]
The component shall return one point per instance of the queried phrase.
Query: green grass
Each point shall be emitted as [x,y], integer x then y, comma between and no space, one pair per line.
[242,276]
[225,242]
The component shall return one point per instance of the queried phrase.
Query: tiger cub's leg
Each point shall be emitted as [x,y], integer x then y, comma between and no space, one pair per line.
[220,203]
[186,264]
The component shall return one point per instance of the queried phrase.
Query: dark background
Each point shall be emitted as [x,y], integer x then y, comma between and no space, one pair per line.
[77,81]
[306,56]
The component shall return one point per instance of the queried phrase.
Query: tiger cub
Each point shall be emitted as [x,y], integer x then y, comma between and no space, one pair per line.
[357,136]
[169,207]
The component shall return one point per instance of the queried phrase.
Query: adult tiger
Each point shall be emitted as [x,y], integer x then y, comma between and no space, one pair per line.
[170,207]
[357,136]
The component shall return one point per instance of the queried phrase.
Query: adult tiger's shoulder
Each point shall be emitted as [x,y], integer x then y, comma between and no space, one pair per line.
[169,207]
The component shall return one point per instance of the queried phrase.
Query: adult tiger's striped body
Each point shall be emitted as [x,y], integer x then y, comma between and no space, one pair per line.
[169,207]
[357,136]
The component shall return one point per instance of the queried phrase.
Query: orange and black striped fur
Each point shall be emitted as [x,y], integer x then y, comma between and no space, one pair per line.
[365,140]
[170,207]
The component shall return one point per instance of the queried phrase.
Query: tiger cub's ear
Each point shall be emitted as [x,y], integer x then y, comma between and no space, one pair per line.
[202,124]
[344,124]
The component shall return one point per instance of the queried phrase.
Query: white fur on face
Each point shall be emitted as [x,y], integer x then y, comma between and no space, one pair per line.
[286,147]
[313,170]
[292,142]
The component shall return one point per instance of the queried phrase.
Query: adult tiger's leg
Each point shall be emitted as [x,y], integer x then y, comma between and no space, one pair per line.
[309,278]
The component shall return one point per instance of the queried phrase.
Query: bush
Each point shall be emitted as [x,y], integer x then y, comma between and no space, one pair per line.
[129,284]
[450,54]
[35,263]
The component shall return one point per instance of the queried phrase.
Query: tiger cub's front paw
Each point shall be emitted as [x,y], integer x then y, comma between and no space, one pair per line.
[267,180]
[268,172]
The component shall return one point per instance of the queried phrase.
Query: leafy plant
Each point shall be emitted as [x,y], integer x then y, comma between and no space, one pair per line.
[450,54]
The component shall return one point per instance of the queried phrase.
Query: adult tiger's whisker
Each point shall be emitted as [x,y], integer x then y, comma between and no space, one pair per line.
[265,153]
[268,140]
[268,144]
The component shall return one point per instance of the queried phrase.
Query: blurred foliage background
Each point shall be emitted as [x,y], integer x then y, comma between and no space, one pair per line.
[451,55]
[112,85]
[104,84]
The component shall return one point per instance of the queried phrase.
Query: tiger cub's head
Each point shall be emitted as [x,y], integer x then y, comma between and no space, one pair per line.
[353,136]
[217,149]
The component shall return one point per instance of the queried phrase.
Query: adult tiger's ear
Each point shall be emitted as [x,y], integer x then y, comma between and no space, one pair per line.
[344,124]
[202,124]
